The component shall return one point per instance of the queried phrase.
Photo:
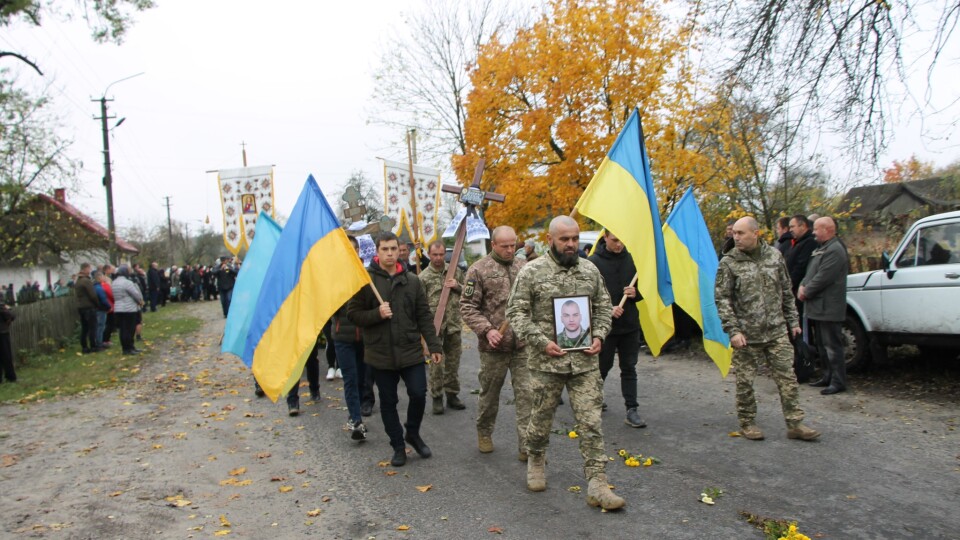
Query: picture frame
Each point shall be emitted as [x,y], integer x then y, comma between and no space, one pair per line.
[572,324]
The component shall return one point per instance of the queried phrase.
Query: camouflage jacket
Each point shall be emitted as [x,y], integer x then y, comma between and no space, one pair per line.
[753,295]
[483,304]
[432,281]
[531,310]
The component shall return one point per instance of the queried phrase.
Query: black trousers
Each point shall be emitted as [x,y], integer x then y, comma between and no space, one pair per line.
[829,335]
[415,379]
[6,359]
[127,323]
[88,328]
[627,348]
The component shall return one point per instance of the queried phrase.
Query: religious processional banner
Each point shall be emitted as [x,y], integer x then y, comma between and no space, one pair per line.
[244,193]
[399,204]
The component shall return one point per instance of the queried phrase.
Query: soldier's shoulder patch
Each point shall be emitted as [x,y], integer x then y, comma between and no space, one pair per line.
[469,287]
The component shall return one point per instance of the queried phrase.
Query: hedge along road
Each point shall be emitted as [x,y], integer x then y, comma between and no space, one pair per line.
[185,450]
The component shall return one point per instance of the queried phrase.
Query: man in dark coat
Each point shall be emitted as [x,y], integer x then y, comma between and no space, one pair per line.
[617,268]
[226,277]
[798,258]
[87,303]
[784,239]
[824,295]
[153,285]
[391,336]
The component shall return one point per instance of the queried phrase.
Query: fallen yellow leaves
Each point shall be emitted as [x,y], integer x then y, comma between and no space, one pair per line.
[223,520]
[286,489]
[115,494]
[278,478]
[238,471]
[325,498]
[390,473]
[263,455]
[177,501]
[8,460]
[424,489]
[383,464]
[574,489]
[734,434]
[235,482]
[222,532]
[495,530]
[403,528]
[314,513]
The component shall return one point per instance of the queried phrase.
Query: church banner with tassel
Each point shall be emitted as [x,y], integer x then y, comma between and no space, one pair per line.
[401,199]
[244,193]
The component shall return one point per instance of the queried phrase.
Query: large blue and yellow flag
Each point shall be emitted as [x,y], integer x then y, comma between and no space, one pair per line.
[620,198]
[693,268]
[314,270]
[243,304]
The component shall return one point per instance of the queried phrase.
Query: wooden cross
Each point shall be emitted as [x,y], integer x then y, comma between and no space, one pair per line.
[471,197]
[357,212]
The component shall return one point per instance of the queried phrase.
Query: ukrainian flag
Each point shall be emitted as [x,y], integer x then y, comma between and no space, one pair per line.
[693,267]
[247,288]
[621,199]
[314,271]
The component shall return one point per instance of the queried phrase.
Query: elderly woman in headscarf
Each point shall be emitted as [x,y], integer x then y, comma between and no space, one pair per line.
[127,300]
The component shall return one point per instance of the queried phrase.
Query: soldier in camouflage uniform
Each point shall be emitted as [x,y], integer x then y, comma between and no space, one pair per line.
[444,377]
[483,306]
[756,306]
[531,313]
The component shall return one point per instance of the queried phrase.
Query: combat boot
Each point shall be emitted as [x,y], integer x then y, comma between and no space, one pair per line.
[438,405]
[536,476]
[485,443]
[522,455]
[752,432]
[454,402]
[803,433]
[599,494]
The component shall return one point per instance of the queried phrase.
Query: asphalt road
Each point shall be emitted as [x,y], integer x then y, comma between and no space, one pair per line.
[112,464]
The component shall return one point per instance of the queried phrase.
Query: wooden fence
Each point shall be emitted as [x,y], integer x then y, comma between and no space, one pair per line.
[41,325]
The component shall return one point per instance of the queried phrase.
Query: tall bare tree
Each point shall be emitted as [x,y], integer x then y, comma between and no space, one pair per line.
[423,79]
[845,64]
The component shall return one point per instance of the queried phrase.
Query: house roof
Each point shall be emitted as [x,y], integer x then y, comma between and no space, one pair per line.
[939,193]
[87,222]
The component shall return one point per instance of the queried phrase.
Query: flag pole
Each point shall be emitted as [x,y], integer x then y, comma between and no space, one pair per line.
[413,202]
[633,282]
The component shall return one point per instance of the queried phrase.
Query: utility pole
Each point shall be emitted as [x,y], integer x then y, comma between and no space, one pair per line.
[107,174]
[169,232]
[108,178]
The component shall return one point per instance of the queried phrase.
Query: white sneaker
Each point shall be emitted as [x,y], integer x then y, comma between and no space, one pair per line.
[331,373]
[338,374]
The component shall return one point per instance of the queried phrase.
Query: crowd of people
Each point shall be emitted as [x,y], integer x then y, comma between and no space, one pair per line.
[776,302]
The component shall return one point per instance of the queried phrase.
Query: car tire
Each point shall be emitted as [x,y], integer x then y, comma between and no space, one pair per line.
[857,350]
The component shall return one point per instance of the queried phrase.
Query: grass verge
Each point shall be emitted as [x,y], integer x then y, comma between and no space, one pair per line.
[67,372]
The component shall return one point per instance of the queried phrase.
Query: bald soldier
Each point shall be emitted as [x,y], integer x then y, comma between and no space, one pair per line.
[756,307]
[531,314]
[483,306]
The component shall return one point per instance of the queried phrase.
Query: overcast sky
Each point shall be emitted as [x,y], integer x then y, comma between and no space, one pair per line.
[293,80]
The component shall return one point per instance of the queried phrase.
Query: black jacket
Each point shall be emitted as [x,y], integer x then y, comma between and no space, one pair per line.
[618,270]
[798,257]
[784,243]
[153,279]
[226,277]
[393,343]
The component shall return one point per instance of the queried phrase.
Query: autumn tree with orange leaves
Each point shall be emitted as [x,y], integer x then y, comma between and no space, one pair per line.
[546,107]
[907,171]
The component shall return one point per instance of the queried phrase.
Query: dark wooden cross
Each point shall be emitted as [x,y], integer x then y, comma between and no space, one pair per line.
[471,197]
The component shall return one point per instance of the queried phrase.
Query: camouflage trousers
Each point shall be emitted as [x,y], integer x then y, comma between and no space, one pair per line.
[778,355]
[493,373]
[586,397]
[445,376]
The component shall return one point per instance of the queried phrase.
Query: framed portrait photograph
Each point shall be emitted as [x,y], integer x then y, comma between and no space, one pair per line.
[571,320]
